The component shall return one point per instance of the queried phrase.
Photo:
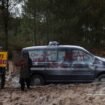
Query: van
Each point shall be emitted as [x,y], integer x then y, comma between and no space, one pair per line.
[56,63]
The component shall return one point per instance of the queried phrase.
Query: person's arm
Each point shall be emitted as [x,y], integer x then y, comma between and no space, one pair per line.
[21,62]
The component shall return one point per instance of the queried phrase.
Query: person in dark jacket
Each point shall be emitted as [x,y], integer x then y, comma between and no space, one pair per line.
[25,64]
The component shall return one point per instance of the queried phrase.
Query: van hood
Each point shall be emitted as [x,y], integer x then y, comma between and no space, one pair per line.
[100,58]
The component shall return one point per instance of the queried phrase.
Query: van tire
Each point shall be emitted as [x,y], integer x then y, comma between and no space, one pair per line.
[38,80]
[101,78]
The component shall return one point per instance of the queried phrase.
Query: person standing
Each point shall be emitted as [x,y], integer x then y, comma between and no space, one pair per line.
[25,63]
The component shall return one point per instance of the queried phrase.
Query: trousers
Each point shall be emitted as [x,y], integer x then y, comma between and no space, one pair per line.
[25,82]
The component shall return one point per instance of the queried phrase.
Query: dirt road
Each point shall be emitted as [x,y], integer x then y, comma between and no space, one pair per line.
[78,94]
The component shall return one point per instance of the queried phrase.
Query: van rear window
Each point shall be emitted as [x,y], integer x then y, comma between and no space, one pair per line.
[37,56]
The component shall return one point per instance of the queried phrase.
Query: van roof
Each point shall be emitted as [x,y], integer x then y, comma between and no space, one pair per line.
[59,46]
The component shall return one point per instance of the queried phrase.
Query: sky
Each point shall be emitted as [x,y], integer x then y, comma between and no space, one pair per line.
[16,9]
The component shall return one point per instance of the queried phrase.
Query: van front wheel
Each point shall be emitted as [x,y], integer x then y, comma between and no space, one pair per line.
[37,80]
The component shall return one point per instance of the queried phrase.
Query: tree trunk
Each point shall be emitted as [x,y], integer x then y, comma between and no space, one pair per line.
[5,15]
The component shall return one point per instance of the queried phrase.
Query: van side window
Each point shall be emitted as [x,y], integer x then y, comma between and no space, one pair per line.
[68,56]
[37,57]
[51,58]
[61,55]
[81,56]
[64,58]
[51,55]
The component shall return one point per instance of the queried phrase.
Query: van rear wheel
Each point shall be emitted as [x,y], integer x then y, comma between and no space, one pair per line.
[101,78]
[38,80]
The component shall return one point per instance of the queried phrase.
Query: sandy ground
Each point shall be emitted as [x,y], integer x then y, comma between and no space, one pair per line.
[60,94]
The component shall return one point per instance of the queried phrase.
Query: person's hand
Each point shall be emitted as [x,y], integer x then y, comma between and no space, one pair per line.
[20,62]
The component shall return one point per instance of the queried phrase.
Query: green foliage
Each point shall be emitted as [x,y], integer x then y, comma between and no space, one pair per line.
[80,22]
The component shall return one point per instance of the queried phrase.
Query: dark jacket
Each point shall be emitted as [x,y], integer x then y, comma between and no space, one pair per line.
[25,68]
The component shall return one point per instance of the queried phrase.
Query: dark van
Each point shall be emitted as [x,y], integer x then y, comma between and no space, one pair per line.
[64,63]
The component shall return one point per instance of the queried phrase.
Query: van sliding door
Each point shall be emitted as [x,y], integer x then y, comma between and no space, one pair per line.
[37,57]
[52,71]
